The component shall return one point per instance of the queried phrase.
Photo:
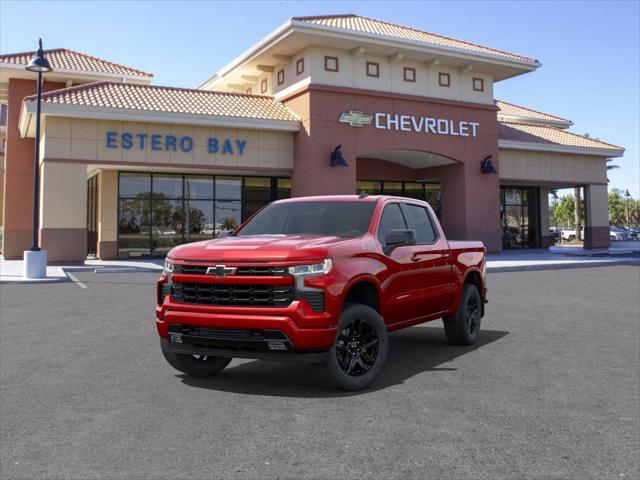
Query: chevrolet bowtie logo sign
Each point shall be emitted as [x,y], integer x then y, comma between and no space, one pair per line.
[355,119]
[221,271]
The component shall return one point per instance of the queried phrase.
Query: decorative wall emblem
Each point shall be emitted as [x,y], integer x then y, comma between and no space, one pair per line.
[356,119]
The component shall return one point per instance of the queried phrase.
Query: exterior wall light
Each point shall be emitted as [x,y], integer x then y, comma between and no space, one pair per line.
[35,260]
[486,166]
[337,160]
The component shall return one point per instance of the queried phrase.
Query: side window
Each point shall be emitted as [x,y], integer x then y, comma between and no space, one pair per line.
[419,218]
[392,219]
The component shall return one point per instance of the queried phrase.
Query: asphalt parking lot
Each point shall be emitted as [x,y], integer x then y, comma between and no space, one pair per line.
[550,391]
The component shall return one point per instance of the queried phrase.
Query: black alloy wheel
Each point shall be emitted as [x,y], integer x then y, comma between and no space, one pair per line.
[463,327]
[361,348]
[357,347]
[473,314]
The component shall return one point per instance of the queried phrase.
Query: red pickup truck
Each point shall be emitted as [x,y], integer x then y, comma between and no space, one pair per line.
[321,280]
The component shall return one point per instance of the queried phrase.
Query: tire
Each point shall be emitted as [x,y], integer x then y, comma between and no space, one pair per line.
[463,327]
[202,366]
[361,348]
[571,238]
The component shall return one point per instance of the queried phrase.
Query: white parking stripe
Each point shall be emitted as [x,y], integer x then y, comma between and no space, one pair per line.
[75,280]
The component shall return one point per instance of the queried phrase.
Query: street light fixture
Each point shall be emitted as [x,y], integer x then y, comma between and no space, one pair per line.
[35,260]
[627,195]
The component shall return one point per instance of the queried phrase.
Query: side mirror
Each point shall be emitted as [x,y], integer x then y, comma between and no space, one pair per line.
[399,238]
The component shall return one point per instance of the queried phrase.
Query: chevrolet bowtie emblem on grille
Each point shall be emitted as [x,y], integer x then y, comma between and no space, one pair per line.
[355,119]
[221,271]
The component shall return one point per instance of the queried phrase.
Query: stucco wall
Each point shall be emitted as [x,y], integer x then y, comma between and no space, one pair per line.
[80,139]
[522,165]
[352,73]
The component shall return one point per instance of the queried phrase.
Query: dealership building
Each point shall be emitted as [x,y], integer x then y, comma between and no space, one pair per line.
[322,105]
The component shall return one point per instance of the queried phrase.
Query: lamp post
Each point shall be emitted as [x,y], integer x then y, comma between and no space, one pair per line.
[35,260]
[627,195]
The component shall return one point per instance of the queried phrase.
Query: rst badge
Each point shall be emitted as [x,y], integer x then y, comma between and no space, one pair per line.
[221,271]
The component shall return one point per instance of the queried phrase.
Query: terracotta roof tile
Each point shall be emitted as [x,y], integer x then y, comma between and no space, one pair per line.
[512,110]
[65,59]
[153,98]
[546,135]
[378,27]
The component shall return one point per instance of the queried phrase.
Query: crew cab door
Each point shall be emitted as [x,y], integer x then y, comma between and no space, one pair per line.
[401,281]
[431,256]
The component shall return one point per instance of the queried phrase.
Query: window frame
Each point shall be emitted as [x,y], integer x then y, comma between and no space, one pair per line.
[263,85]
[429,217]
[372,64]
[481,83]
[384,207]
[328,58]
[280,76]
[300,66]
[405,70]
[443,75]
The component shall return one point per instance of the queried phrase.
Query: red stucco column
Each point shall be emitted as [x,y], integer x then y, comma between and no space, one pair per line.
[18,178]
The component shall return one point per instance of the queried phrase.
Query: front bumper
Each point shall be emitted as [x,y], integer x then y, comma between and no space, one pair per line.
[305,331]
[262,344]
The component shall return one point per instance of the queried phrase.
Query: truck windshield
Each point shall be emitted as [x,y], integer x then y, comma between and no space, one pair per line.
[337,218]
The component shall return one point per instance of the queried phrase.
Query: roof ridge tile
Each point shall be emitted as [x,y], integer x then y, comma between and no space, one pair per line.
[397,25]
[532,110]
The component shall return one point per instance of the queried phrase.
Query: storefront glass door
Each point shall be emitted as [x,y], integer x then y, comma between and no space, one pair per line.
[519,215]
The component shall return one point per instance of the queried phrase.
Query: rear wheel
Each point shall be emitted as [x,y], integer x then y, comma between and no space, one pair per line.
[463,327]
[193,365]
[360,351]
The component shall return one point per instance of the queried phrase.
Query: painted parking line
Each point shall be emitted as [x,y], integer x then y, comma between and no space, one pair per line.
[75,280]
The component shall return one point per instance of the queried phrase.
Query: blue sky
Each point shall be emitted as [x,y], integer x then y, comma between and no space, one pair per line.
[589,50]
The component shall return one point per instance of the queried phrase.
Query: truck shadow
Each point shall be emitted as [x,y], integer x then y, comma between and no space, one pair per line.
[412,351]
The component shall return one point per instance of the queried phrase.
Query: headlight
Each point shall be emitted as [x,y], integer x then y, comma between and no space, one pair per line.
[168,266]
[313,269]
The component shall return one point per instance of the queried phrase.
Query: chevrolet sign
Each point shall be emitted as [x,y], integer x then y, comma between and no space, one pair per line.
[355,119]
[410,123]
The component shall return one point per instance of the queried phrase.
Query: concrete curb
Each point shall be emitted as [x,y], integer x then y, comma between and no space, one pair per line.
[562,266]
[125,270]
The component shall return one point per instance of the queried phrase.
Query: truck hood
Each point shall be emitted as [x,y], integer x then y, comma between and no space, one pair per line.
[258,248]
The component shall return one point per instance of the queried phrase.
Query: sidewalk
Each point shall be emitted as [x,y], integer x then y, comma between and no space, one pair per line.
[507,261]
[543,259]
[11,270]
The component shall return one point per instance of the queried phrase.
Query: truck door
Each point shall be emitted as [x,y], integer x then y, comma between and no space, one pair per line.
[401,284]
[431,257]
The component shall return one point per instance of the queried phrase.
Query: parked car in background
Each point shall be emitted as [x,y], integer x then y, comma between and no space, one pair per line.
[618,234]
[569,234]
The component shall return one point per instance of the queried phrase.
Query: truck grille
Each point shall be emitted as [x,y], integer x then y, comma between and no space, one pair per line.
[233,295]
[248,270]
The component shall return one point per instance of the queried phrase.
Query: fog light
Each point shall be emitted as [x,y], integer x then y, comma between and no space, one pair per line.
[276,346]
[175,337]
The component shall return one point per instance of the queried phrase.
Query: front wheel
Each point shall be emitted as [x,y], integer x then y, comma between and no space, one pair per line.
[463,327]
[360,351]
[193,365]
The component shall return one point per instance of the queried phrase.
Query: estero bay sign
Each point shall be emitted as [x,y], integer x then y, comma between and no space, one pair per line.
[171,143]
[411,123]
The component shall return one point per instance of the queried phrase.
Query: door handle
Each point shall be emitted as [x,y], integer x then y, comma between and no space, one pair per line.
[445,256]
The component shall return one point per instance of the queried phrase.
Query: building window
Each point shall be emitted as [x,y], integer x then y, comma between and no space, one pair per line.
[300,66]
[331,64]
[444,79]
[478,84]
[429,192]
[248,91]
[373,69]
[159,211]
[263,86]
[280,77]
[409,74]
